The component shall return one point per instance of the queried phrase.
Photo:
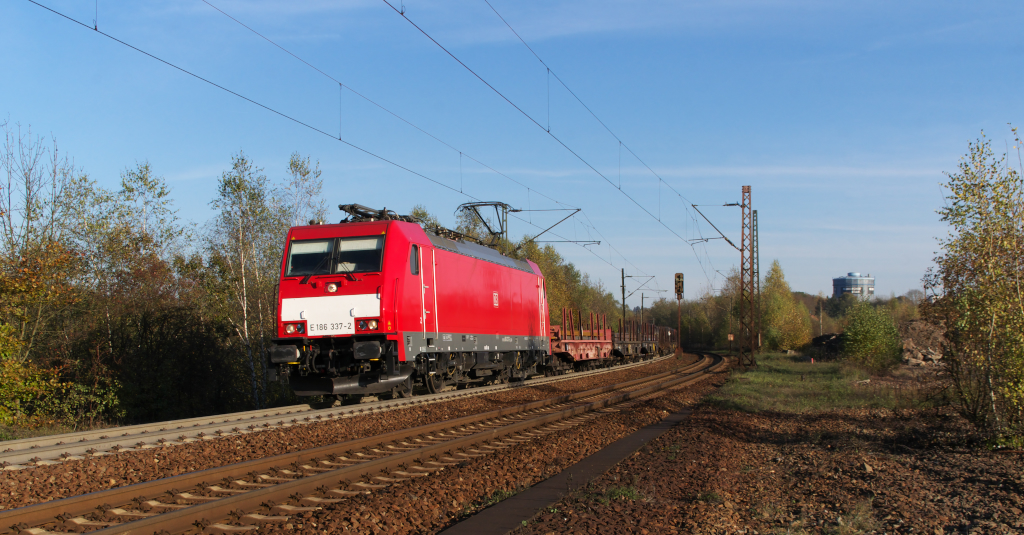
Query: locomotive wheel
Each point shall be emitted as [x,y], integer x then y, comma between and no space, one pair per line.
[502,377]
[434,383]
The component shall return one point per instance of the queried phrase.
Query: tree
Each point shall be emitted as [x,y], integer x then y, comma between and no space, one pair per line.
[915,296]
[786,324]
[43,204]
[427,220]
[245,243]
[977,289]
[302,191]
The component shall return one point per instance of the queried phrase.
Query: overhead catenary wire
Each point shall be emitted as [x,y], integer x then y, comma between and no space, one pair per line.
[602,123]
[578,99]
[251,101]
[535,122]
[376,104]
[298,121]
[461,153]
[284,115]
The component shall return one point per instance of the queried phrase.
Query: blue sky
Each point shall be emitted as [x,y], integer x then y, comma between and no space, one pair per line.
[842,116]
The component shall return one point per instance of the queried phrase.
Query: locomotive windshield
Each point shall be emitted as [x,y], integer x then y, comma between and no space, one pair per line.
[310,257]
[359,254]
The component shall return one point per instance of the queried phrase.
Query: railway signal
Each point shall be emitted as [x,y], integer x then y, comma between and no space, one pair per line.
[680,289]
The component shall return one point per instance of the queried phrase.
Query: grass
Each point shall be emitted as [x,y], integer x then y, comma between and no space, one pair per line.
[793,384]
[593,494]
[859,520]
[623,493]
[16,433]
[497,496]
[486,501]
[709,497]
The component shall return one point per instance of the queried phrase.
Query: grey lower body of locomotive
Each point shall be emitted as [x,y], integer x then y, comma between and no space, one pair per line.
[486,353]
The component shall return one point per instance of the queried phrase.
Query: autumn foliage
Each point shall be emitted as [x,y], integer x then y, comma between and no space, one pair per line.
[977,290]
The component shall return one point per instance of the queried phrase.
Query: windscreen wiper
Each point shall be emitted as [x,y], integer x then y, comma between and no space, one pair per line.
[315,269]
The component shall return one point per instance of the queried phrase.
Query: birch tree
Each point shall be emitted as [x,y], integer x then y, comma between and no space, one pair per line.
[977,289]
[245,240]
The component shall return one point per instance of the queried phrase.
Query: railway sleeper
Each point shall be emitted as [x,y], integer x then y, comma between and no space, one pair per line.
[227,528]
[407,473]
[414,472]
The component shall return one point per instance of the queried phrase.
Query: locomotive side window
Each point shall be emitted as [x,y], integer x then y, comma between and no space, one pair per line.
[309,257]
[414,260]
[360,254]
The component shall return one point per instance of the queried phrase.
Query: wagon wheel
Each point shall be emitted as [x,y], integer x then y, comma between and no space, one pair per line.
[434,383]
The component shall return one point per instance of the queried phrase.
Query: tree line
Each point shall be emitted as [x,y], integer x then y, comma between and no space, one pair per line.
[113,309]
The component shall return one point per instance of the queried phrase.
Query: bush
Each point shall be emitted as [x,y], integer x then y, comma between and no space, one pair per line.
[23,389]
[976,292]
[33,396]
[871,338]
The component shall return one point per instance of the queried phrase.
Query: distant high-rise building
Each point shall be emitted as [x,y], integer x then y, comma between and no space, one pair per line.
[853,283]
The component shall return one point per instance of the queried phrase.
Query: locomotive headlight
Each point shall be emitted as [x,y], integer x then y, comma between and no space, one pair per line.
[332,287]
[372,324]
[299,328]
[289,328]
[362,325]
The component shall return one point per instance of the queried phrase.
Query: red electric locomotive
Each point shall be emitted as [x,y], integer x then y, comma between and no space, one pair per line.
[375,304]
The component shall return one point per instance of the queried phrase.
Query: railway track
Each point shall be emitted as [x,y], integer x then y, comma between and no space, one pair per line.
[28,453]
[241,497]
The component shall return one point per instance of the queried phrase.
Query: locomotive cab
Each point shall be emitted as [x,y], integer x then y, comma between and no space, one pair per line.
[336,332]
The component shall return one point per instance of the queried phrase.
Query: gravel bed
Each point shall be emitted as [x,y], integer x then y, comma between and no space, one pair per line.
[431,504]
[76,477]
[843,472]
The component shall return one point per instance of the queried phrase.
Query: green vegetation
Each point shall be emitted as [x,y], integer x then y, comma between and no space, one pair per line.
[709,497]
[977,286]
[871,338]
[114,310]
[793,384]
[623,493]
[786,322]
[708,320]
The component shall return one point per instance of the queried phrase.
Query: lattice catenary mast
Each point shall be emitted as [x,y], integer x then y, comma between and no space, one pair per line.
[748,328]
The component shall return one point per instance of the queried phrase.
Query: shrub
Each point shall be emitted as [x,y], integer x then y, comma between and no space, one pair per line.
[24,390]
[871,338]
[976,292]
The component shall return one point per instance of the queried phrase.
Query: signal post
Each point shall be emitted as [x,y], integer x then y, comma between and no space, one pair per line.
[679,308]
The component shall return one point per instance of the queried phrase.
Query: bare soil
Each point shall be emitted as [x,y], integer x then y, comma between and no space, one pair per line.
[840,472]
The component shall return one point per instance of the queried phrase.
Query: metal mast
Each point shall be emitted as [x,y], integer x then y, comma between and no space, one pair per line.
[757,284]
[747,321]
[623,296]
